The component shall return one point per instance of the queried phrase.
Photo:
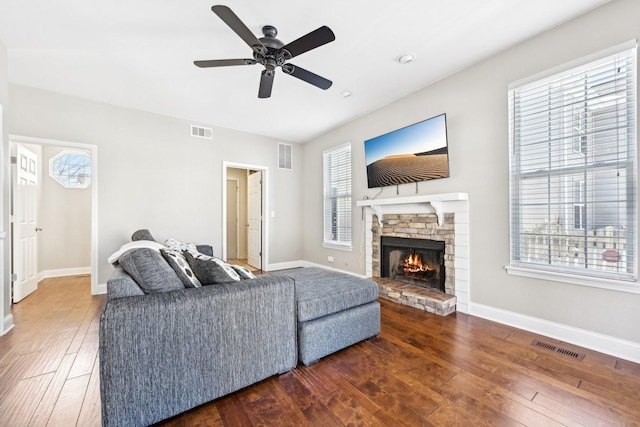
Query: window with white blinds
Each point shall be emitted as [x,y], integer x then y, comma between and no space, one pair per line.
[573,171]
[337,196]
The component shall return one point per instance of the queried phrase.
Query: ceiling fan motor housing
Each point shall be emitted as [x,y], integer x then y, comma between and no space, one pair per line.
[273,56]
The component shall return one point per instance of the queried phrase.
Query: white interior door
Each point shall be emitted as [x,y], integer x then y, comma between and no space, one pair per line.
[254,208]
[25,225]
[232,218]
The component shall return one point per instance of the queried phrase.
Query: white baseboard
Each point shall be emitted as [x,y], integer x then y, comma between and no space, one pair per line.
[613,346]
[301,263]
[313,264]
[284,265]
[102,288]
[47,274]
[7,324]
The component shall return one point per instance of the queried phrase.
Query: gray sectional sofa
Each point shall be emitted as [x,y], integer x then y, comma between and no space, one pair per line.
[164,353]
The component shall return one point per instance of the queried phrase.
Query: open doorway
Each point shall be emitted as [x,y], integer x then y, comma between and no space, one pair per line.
[54,215]
[244,203]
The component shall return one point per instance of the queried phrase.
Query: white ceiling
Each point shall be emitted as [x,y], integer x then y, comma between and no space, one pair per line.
[139,53]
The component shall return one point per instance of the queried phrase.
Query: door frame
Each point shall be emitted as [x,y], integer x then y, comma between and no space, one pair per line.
[93,150]
[265,207]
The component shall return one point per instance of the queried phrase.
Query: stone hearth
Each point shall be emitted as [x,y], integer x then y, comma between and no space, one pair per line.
[416,297]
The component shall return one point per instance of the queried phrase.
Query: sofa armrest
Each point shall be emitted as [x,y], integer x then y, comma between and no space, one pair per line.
[162,354]
[121,285]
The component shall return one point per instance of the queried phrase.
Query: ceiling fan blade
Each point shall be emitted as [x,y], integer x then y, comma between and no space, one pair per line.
[314,39]
[223,62]
[266,83]
[232,20]
[307,76]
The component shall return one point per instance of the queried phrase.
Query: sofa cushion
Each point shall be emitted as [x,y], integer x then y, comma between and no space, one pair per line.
[320,292]
[210,270]
[150,271]
[179,264]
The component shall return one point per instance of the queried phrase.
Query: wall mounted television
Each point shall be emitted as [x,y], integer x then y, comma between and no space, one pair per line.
[418,152]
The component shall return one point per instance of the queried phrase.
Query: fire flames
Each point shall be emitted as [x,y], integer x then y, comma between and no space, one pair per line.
[413,264]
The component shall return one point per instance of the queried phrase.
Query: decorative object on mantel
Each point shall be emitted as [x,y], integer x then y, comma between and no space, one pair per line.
[416,204]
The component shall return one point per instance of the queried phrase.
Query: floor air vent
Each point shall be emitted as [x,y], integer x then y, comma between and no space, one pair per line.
[564,351]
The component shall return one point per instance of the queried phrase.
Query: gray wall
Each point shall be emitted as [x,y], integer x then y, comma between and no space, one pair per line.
[475,101]
[65,217]
[152,174]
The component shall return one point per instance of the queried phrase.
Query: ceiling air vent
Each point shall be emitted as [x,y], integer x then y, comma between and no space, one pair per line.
[201,132]
[285,152]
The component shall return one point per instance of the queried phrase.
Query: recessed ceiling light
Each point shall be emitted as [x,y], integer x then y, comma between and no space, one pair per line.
[345,93]
[406,58]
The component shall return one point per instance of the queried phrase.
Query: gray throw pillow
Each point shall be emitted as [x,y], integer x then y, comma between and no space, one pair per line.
[142,234]
[243,272]
[210,270]
[150,271]
[179,264]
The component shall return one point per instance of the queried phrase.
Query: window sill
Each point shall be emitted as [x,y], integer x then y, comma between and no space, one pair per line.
[346,248]
[594,282]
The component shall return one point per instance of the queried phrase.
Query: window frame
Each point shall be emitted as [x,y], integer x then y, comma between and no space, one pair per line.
[72,152]
[551,271]
[346,210]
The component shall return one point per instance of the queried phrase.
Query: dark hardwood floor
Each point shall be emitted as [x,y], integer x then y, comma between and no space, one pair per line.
[422,369]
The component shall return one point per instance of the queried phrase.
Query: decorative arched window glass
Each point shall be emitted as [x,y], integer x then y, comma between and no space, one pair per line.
[72,169]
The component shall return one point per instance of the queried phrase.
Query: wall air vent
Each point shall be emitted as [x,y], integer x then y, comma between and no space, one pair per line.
[564,351]
[285,152]
[201,132]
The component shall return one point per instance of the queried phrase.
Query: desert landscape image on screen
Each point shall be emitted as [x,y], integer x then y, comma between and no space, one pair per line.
[415,153]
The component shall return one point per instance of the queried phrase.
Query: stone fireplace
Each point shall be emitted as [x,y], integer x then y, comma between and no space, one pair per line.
[432,228]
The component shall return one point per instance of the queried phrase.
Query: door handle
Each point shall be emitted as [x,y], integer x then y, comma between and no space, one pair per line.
[38,228]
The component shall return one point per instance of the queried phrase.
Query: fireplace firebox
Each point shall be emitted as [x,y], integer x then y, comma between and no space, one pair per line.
[419,262]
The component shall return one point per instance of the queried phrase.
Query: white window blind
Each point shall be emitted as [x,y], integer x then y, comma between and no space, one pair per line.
[573,170]
[337,196]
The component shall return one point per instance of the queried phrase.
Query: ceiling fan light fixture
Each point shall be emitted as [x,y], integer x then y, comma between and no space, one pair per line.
[406,58]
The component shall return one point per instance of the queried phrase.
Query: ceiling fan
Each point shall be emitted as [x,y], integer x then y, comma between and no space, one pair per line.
[271,52]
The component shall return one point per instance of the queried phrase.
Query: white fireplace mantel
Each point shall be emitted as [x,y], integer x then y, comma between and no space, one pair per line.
[432,203]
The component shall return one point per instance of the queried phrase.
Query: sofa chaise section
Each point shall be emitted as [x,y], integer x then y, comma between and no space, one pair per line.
[333,311]
[162,354]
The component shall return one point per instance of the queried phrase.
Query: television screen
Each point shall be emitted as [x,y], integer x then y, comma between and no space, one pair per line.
[414,153]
